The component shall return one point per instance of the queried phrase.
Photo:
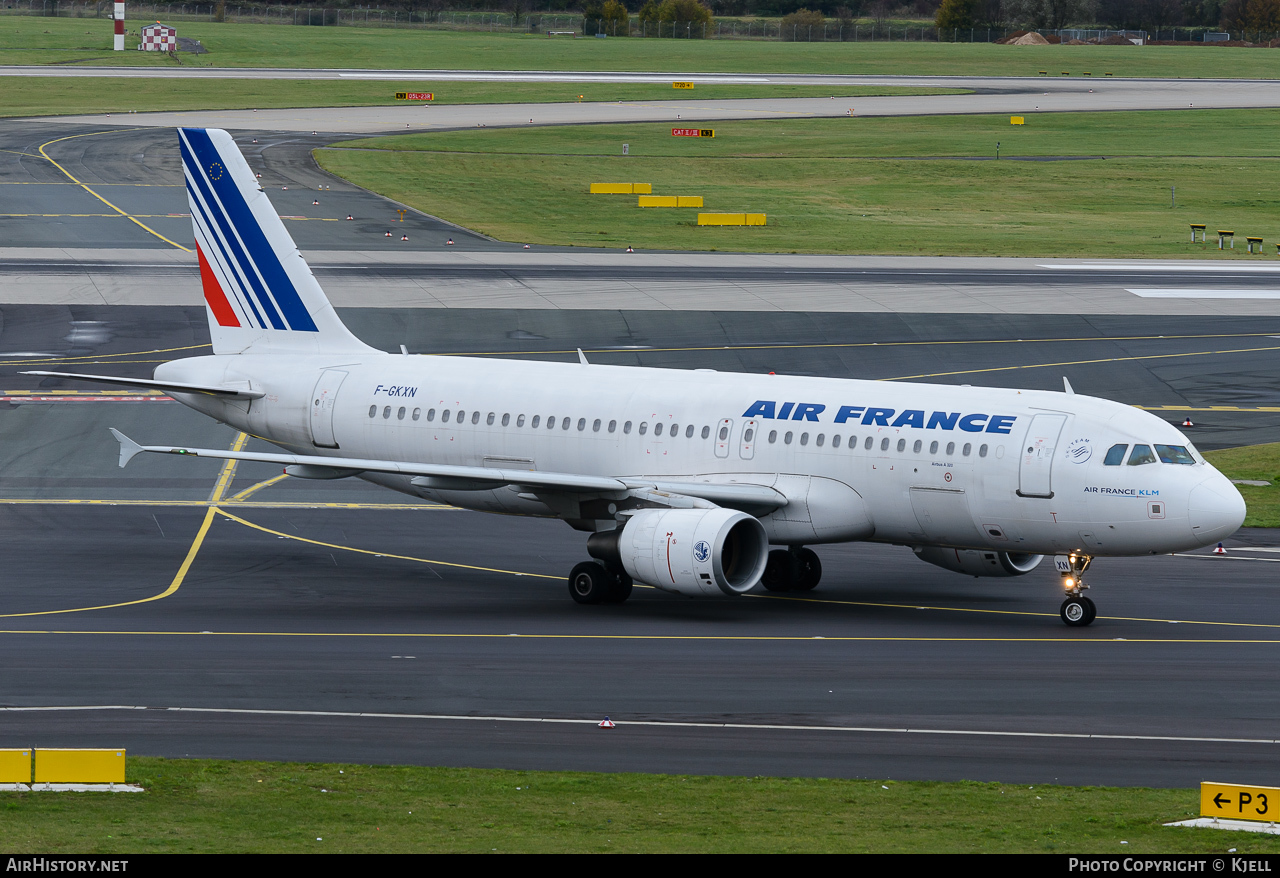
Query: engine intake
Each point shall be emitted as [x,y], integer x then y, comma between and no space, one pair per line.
[687,551]
[980,562]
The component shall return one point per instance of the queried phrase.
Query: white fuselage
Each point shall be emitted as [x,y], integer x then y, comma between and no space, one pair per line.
[916,464]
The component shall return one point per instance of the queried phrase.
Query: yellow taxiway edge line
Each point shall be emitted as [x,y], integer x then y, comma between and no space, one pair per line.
[96,195]
[173,586]
[253,489]
[228,472]
[865,344]
[1081,363]
[239,520]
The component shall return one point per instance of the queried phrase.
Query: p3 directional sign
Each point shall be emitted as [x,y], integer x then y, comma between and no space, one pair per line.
[1239,802]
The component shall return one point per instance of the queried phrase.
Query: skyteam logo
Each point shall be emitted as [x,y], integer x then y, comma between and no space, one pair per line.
[701,551]
[1080,451]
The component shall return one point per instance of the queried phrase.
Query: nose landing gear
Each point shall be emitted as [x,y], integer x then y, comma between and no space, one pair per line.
[1077,610]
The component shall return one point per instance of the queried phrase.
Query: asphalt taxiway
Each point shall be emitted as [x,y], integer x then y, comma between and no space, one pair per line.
[186,608]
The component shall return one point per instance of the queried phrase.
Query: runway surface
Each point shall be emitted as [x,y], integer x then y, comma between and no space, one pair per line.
[1026,95]
[319,605]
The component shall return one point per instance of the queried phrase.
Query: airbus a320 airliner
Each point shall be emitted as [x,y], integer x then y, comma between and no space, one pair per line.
[682,480]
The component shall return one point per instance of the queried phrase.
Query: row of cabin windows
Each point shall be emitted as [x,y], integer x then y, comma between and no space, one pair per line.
[869,443]
[1142,454]
[460,416]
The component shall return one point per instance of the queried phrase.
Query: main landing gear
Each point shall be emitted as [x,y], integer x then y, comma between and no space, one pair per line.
[1077,610]
[593,583]
[794,569]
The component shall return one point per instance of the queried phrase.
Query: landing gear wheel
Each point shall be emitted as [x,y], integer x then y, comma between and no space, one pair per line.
[810,570]
[778,573]
[591,583]
[1078,611]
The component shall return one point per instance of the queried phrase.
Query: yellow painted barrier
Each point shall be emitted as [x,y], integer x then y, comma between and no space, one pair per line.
[641,188]
[611,188]
[688,201]
[658,201]
[731,219]
[15,766]
[1017,120]
[79,766]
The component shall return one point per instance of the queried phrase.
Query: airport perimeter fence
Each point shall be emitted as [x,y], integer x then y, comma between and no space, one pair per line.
[564,24]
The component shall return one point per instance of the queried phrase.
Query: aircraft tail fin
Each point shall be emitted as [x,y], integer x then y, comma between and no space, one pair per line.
[260,294]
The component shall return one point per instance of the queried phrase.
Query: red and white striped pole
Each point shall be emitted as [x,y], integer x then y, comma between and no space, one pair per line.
[119,17]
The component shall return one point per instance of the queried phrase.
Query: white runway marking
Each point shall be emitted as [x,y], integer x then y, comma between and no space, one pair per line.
[1206,294]
[1229,267]
[654,723]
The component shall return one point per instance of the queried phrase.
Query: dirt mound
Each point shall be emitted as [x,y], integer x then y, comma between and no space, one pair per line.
[1031,39]
[1004,41]
[1075,43]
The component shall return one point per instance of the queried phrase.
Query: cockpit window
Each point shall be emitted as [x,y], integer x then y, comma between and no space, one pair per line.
[1141,454]
[1175,454]
[1115,455]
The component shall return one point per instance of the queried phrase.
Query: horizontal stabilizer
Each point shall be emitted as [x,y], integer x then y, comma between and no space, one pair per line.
[474,478]
[166,386]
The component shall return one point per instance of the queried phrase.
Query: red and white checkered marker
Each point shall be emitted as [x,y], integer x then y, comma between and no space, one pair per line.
[1220,550]
[607,723]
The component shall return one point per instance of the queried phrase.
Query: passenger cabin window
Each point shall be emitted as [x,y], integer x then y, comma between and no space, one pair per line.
[657,429]
[519,420]
[386,412]
[475,418]
[870,442]
[506,419]
[417,413]
[489,420]
[644,427]
[373,410]
[933,447]
[564,425]
[1175,454]
[537,419]
[688,432]
[951,448]
[706,432]
[400,414]
[746,436]
[787,438]
[773,436]
[595,426]
[967,448]
[582,424]
[902,445]
[982,451]
[613,426]
[626,428]
[884,444]
[1115,455]
[1141,454]
[835,441]
[431,415]
[444,416]
[820,440]
[675,430]
[915,448]
[462,416]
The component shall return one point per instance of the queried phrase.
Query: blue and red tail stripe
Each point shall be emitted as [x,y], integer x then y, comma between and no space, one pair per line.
[231,237]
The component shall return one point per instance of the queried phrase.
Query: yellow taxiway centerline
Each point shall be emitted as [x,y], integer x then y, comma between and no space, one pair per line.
[72,177]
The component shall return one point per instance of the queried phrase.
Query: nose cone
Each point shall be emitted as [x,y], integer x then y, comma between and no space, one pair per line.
[1216,510]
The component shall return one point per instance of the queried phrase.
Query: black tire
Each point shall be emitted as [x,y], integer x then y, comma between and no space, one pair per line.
[778,574]
[1075,611]
[1093,610]
[591,583]
[810,570]
[621,589]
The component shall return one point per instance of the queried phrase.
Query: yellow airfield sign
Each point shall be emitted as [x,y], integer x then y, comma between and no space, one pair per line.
[682,85]
[1239,802]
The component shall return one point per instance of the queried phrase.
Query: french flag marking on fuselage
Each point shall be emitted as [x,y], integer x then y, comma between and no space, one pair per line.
[241,237]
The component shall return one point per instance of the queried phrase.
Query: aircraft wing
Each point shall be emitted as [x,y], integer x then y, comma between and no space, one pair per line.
[167,386]
[474,478]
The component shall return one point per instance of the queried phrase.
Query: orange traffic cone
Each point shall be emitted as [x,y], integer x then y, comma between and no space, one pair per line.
[526,246]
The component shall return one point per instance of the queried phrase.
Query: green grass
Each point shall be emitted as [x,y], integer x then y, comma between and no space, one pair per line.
[1258,463]
[824,190]
[27,40]
[209,805]
[26,96]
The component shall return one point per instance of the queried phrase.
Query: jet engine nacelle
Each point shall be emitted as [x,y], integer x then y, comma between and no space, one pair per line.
[688,551]
[980,562]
